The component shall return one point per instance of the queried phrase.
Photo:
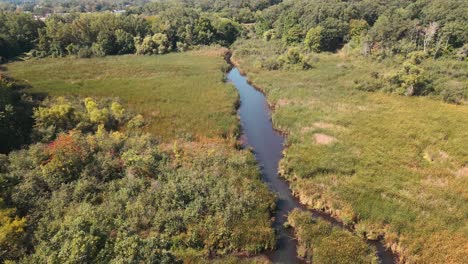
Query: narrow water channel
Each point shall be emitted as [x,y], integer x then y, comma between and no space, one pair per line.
[267,144]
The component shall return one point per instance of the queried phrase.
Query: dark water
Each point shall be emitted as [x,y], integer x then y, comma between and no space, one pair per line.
[267,145]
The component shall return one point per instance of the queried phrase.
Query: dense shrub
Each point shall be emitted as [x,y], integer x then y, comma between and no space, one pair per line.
[96,191]
[156,44]
[57,115]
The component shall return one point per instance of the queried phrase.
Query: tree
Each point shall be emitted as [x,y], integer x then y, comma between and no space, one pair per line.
[333,33]
[227,31]
[124,42]
[15,115]
[314,39]
[156,44]
[293,35]
[356,28]
[18,33]
[204,31]
[12,232]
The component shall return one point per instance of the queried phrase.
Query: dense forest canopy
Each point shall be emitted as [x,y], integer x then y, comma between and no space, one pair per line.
[396,26]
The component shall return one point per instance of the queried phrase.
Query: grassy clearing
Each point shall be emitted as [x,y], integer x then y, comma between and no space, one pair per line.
[181,94]
[397,166]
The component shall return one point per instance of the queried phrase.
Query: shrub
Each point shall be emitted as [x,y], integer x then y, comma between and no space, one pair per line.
[109,196]
[156,44]
[85,52]
[293,35]
[413,79]
[271,63]
[61,114]
[269,35]
[292,56]
[454,96]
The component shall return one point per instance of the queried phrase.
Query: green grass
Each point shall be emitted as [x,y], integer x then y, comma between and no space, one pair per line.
[398,166]
[180,94]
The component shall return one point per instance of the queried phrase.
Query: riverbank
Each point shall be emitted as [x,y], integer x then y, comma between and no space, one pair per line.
[364,157]
[267,144]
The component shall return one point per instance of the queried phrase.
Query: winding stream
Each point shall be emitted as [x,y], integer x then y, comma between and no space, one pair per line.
[267,144]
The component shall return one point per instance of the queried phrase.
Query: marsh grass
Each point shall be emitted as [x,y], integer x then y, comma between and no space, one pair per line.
[377,172]
[321,242]
[181,94]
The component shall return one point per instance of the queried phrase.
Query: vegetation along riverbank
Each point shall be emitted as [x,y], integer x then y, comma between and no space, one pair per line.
[383,162]
[120,134]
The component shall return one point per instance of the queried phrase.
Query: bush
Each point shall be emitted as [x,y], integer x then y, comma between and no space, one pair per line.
[294,58]
[156,44]
[84,52]
[367,85]
[269,35]
[109,196]
[454,96]
[271,63]
[57,115]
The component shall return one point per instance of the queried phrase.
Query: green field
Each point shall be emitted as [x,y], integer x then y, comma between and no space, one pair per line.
[182,95]
[397,166]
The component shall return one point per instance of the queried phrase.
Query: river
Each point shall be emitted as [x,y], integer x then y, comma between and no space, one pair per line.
[267,145]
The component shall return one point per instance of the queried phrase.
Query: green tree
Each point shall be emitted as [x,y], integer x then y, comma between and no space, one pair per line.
[12,233]
[18,33]
[314,39]
[204,31]
[15,115]
[293,35]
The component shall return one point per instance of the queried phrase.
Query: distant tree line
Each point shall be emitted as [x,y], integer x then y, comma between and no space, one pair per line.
[100,34]
[380,28]
[41,7]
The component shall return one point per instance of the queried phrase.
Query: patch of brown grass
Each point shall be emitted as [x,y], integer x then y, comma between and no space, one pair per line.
[323,139]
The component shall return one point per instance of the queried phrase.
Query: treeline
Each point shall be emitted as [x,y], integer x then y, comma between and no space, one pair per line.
[145,27]
[410,36]
[381,28]
[93,188]
[238,10]
[98,34]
